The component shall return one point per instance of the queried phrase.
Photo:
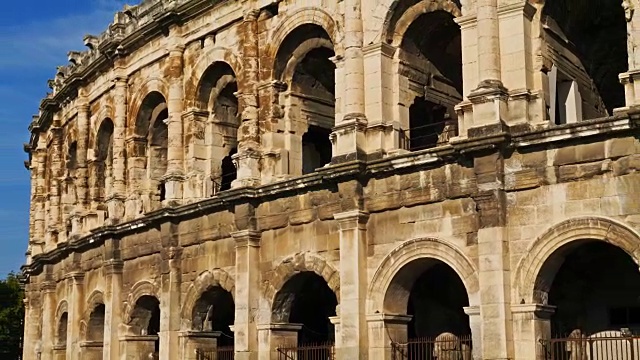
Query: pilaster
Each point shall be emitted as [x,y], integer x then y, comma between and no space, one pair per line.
[247,159]
[382,132]
[352,340]
[247,293]
[198,156]
[475,323]
[33,301]
[75,291]
[55,179]
[170,299]
[48,289]
[531,323]
[112,314]
[115,200]
[274,335]
[174,178]
[348,136]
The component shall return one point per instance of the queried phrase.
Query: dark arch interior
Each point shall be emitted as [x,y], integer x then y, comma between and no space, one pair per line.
[437,302]
[596,288]
[61,331]
[426,123]
[229,171]
[215,311]
[210,81]
[72,160]
[292,41]
[95,326]
[145,115]
[599,34]
[310,302]
[145,318]
[316,148]
[435,37]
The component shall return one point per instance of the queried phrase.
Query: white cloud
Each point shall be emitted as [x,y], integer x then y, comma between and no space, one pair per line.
[44,44]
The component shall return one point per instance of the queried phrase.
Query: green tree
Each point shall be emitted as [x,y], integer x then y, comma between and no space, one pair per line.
[11,318]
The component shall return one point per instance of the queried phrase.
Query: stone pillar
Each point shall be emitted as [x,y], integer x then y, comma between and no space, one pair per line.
[531,323]
[385,329]
[631,78]
[194,341]
[195,186]
[353,285]
[115,200]
[174,178]
[249,148]
[475,323]
[32,322]
[82,171]
[276,335]
[53,224]
[37,237]
[75,295]
[488,44]
[247,293]
[49,305]
[349,132]
[113,306]
[382,135]
[169,301]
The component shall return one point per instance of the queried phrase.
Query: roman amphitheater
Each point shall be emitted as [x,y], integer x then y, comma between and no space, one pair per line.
[339,179]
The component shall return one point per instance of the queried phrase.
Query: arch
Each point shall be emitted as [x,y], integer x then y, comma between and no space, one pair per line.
[153,84]
[62,308]
[407,252]
[138,290]
[204,281]
[300,52]
[384,12]
[396,34]
[307,15]
[208,58]
[213,81]
[105,111]
[298,263]
[539,265]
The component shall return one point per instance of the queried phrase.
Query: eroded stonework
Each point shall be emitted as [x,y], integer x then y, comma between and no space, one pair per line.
[251,176]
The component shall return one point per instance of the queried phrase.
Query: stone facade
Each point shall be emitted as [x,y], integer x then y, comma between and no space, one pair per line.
[204,165]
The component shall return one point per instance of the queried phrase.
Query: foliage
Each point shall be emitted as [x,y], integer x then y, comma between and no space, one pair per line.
[11,318]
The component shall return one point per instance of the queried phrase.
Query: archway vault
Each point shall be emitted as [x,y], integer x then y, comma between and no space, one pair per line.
[298,263]
[204,281]
[535,271]
[410,251]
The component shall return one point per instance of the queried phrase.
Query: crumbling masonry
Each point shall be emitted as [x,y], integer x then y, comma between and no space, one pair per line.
[257,175]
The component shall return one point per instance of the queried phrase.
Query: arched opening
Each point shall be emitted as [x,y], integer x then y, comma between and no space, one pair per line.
[61,331]
[152,138]
[433,294]
[307,300]
[145,321]
[304,63]
[212,316]
[594,39]
[430,66]
[217,96]
[95,325]
[92,347]
[595,287]
[103,164]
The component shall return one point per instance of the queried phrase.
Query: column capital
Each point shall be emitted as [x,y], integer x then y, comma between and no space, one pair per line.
[113,267]
[381,48]
[351,219]
[280,327]
[76,276]
[48,287]
[389,318]
[539,310]
[247,238]
[472,310]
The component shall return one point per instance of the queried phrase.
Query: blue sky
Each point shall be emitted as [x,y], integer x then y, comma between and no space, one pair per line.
[35,36]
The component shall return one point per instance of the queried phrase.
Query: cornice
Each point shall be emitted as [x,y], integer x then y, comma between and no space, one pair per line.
[520,136]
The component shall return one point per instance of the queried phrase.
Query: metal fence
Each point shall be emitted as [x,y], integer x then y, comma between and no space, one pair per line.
[222,183]
[318,351]
[600,347]
[426,348]
[221,353]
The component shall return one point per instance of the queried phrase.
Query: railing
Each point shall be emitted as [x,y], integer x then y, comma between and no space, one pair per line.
[427,136]
[221,353]
[608,345]
[319,351]
[441,348]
